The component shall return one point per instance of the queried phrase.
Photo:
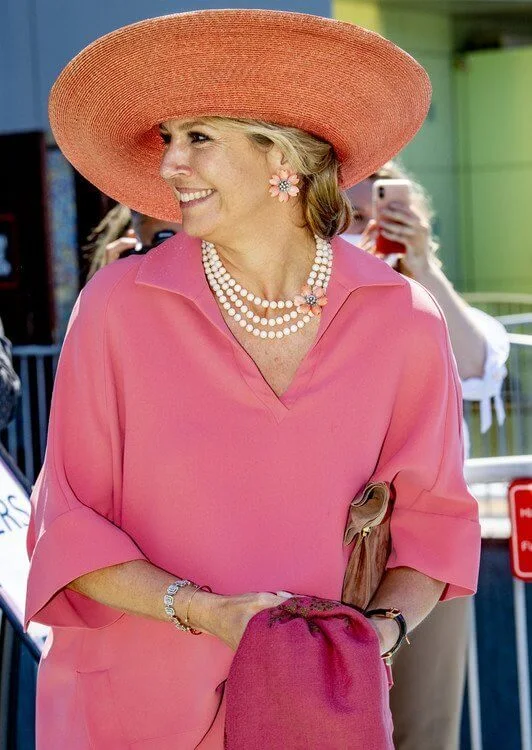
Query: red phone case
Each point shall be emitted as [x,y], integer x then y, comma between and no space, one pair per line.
[396,190]
[384,246]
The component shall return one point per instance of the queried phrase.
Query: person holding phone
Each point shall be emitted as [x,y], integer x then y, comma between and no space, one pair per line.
[122,232]
[392,219]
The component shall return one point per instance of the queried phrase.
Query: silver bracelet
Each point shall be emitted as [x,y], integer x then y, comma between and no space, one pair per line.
[168,600]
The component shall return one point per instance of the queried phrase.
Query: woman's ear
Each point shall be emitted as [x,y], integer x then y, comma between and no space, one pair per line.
[277,160]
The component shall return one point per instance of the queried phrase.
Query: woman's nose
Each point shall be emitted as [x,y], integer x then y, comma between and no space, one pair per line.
[174,162]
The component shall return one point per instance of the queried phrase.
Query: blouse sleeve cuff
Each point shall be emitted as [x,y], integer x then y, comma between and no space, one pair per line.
[77,542]
[446,548]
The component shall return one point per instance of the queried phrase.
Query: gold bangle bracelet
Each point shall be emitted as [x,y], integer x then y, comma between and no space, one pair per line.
[186,623]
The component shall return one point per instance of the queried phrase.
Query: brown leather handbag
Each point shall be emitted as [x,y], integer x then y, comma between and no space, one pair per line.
[368,526]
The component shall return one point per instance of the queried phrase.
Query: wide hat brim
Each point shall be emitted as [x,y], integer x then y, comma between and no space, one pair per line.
[341,82]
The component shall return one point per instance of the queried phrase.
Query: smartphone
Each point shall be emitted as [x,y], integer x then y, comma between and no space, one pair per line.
[385,192]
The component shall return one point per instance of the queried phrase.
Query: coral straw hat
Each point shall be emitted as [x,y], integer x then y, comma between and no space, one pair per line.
[347,85]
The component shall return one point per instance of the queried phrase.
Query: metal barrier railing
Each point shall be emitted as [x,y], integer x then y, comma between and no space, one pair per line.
[25,437]
[481,473]
[517,322]
[500,303]
[19,651]
[514,436]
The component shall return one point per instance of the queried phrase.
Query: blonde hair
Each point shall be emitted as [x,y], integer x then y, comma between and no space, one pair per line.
[326,210]
[114,225]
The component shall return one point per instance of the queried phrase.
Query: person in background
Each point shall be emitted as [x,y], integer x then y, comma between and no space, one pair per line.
[9,382]
[123,232]
[429,678]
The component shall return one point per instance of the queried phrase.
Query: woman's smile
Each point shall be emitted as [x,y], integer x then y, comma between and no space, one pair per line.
[192,198]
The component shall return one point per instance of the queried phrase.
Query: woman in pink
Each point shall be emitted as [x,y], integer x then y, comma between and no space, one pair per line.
[221,400]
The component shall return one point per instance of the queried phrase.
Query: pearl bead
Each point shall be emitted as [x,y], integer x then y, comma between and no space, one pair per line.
[228,292]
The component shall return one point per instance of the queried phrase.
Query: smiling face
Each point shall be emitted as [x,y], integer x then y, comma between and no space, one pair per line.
[219,177]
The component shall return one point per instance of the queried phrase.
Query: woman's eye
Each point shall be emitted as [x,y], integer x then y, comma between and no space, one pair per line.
[358,216]
[197,137]
[165,137]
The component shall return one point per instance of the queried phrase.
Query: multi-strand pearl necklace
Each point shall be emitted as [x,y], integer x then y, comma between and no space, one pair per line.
[294,313]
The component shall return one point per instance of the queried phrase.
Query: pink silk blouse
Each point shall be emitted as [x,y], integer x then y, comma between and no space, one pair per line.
[167,444]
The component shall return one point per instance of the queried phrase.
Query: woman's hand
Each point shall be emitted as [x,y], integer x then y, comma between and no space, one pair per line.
[115,249]
[226,617]
[406,225]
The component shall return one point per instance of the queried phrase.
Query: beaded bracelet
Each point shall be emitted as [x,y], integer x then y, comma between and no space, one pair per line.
[168,600]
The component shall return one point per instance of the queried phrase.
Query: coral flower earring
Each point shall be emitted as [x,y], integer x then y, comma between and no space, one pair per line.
[283,185]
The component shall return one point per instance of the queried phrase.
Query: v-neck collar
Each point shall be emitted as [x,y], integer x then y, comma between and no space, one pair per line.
[176,266]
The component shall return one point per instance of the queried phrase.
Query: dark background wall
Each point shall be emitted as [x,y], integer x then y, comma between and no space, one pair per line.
[38,37]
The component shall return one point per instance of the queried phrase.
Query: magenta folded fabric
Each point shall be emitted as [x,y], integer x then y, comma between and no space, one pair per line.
[308,675]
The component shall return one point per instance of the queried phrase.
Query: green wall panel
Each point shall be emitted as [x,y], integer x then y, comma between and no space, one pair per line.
[497,88]
[495,168]
[431,155]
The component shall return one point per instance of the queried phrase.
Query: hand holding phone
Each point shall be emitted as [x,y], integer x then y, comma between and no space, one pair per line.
[385,192]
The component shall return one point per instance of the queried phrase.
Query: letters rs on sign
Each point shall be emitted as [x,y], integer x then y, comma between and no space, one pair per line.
[520,501]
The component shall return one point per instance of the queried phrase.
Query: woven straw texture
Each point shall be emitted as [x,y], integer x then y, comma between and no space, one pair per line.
[336,80]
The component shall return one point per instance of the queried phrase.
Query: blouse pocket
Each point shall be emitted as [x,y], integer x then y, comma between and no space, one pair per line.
[99,709]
